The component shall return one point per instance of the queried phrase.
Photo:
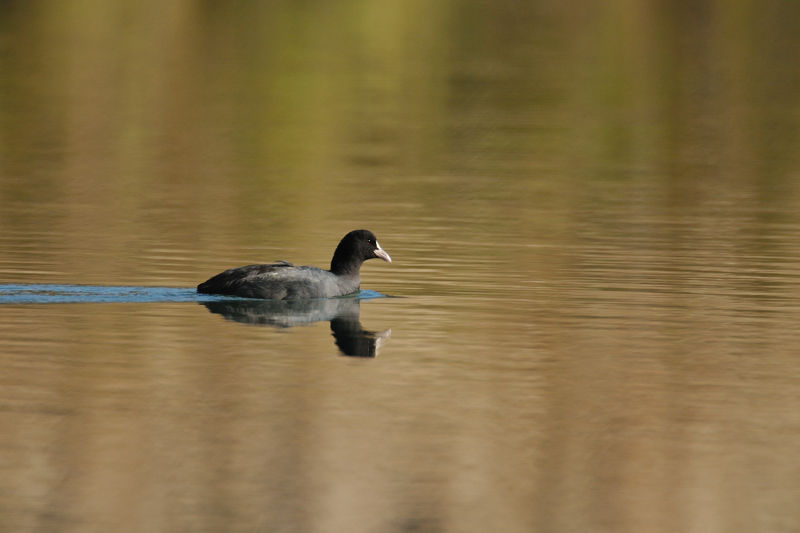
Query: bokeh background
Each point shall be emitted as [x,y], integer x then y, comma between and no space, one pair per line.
[594,214]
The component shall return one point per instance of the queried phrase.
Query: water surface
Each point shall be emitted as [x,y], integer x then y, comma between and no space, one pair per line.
[593,216]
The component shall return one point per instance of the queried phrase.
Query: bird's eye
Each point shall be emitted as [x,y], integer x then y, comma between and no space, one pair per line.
[370,241]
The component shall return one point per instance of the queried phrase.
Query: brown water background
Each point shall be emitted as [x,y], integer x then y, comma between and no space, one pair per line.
[594,214]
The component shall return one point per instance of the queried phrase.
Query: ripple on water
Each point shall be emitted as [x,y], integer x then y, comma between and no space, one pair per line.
[44,293]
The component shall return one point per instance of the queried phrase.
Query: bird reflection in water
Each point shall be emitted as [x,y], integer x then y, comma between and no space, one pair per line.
[342,313]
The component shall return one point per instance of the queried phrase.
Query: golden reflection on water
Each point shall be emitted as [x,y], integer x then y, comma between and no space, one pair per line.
[593,216]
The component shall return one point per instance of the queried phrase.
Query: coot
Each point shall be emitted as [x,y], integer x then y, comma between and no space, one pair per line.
[284,281]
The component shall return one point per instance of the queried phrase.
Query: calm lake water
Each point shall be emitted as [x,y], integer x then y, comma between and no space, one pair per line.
[594,316]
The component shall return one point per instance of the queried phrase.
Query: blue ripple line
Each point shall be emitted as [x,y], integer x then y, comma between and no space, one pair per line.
[43,293]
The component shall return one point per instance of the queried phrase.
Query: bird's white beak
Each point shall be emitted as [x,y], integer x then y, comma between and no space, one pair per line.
[381,253]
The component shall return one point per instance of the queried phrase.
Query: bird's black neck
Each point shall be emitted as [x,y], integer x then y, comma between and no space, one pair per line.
[344,264]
